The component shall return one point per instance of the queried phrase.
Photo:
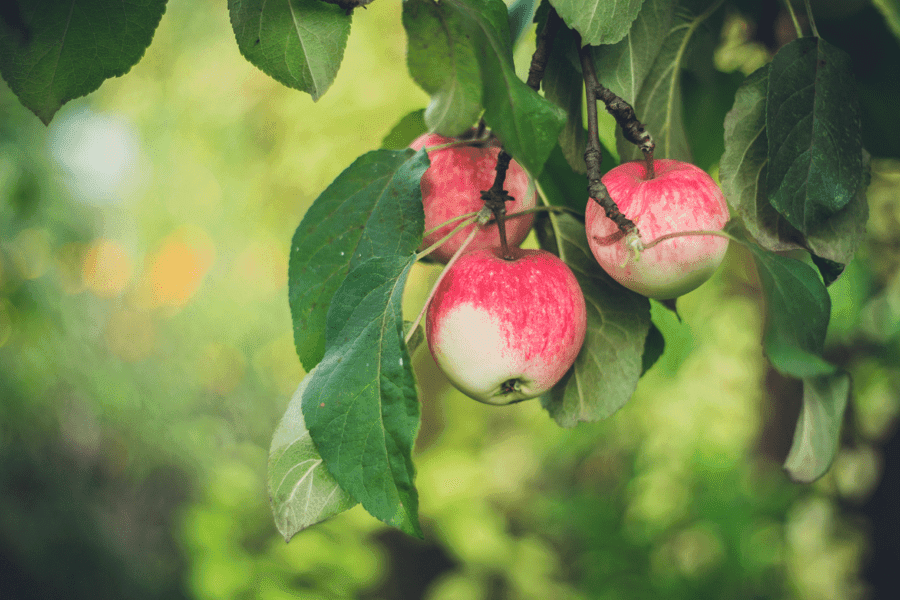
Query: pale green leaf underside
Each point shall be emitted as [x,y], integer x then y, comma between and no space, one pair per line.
[299,43]
[817,435]
[301,489]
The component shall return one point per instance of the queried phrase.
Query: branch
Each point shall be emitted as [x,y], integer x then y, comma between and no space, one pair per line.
[593,155]
[496,197]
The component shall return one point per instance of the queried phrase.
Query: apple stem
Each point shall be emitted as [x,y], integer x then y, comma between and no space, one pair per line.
[453,259]
[676,234]
[496,199]
[593,155]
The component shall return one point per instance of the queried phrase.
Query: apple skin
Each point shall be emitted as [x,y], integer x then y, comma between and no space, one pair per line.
[504,331]
[681,197]
[452,186]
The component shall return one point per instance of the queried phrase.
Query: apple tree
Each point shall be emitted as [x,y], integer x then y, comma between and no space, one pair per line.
[792,168]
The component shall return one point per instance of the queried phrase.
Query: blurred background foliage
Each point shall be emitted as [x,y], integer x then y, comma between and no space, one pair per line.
[146,356]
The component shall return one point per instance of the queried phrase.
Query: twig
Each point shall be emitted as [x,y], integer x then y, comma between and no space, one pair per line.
[593,155]
[633,130]
[497,197]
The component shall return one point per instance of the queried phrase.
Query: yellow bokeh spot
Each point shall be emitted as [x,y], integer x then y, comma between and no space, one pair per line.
[30,253]
[176,270]
[106,268]
[130,335]
[221,368]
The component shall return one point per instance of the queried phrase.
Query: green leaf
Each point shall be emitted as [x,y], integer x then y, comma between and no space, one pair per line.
[611,361]
[373,208]
[817,435]
[443,61]
[526,123]
[361,405]
[301,489]
[405,131]
[659,103]
[812,124]
[563,85]
[624,66]
[520,16]
[61,50]
[298,43]
[798,308]
[743,171]
[598,21]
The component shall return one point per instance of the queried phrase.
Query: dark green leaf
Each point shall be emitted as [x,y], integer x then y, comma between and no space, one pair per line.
[299,43]
[816,438]
[743,173]
[598,21]
[654,347]
[624,66]
[61,50]
[828,269]
[812,124]
[563,85]
[443,61]
[742,170]
[611,361]
[373,208]
[798,309]
[301,489]
[405,131]
[361,405]
[561,185]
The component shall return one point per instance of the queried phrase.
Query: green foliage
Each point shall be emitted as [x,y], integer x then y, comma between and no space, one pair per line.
[299,43]
[611,361]
[812,124]
[53,51]
[793,170]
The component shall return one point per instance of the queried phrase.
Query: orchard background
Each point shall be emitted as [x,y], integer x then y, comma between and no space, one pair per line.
[147,355]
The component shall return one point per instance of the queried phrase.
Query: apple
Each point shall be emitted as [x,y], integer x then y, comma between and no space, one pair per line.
[506,330]
[679,198]
[452,186]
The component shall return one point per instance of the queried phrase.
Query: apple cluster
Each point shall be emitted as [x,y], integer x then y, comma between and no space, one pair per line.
[506,329]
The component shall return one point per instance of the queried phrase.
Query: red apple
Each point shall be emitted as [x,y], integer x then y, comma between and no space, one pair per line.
[452,186]
[679,198]
[506,330]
